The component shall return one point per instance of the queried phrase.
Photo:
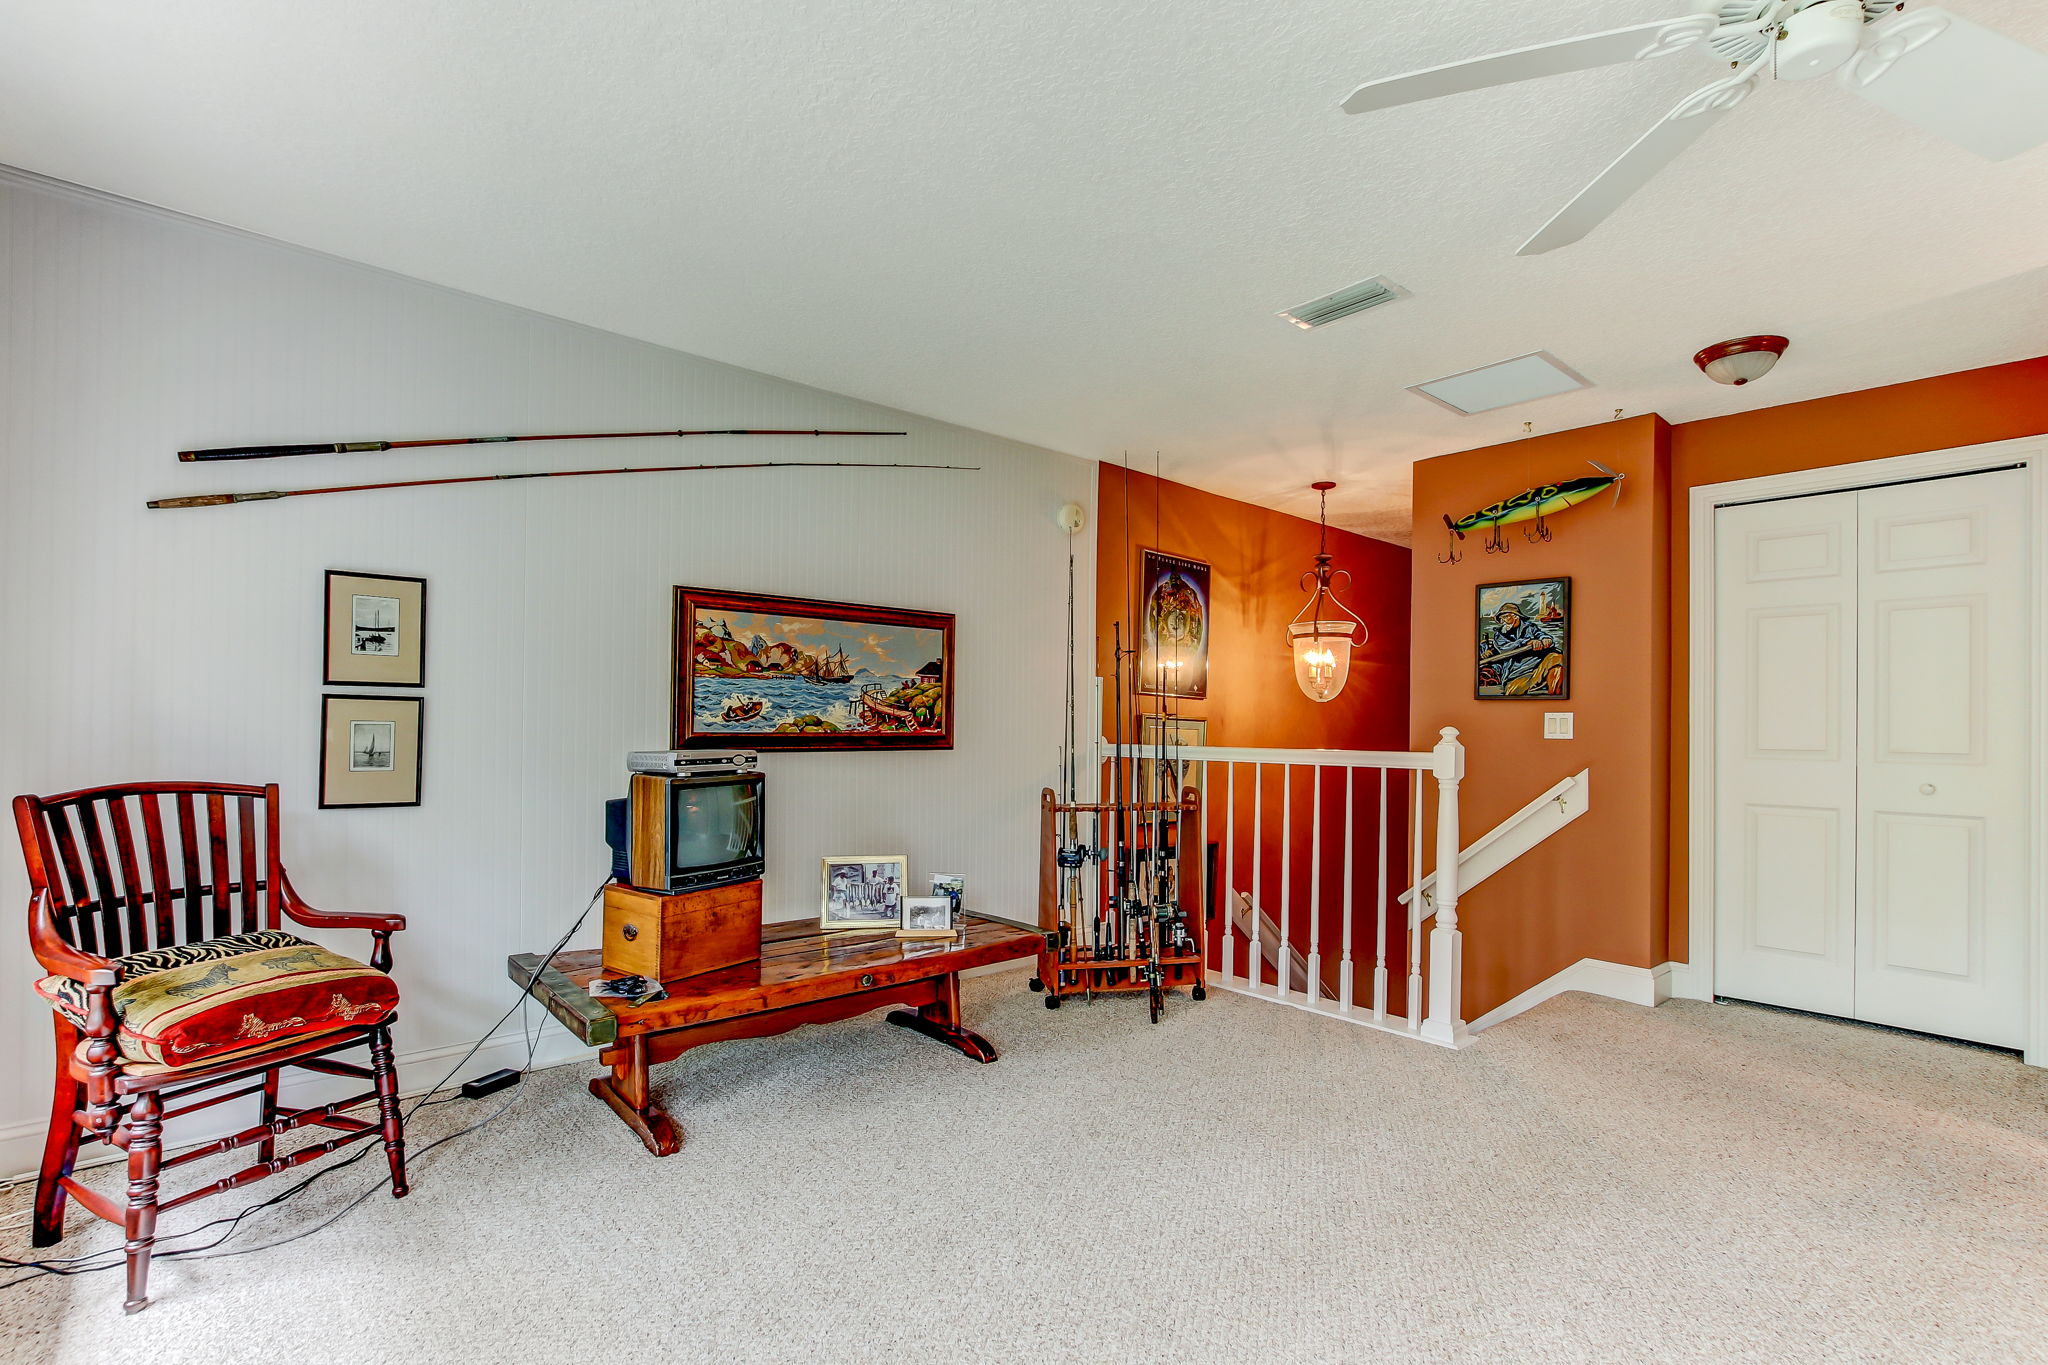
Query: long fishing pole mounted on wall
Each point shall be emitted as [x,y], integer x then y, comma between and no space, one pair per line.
[362,447]
[348,447]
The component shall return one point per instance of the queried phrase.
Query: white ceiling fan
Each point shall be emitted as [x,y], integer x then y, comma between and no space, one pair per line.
[1935,69]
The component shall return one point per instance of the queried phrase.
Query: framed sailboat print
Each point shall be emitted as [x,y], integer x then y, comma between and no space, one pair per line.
[370,750]
[759,672]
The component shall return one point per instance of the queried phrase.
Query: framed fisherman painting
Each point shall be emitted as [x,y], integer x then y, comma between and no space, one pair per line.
[1173,634]
[1525,639]
[755,672]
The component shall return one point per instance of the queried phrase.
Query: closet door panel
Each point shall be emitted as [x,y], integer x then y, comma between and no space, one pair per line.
[1942,803]
[1785,728]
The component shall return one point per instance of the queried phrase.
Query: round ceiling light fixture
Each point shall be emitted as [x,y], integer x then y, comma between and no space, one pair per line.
[1741,360]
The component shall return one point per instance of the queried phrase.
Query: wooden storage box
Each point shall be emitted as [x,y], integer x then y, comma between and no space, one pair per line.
[666,938]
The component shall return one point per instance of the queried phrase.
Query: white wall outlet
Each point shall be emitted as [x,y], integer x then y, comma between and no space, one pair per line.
[1557,725]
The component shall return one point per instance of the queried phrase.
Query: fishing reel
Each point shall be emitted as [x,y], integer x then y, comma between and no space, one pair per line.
[1074,857]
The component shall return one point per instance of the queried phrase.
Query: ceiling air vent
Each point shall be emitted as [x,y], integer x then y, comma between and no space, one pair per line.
[1342,304]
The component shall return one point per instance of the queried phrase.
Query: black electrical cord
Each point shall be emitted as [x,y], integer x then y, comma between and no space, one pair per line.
[112,1259]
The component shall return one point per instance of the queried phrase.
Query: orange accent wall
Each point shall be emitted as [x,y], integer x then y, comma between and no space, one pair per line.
[1975,407]
[1256,558]
[1597,888]
[1613,884]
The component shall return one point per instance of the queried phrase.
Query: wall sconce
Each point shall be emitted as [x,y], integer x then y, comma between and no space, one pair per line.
[1741,360]
[1322,641]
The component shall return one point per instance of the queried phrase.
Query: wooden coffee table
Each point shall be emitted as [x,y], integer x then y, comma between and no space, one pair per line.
[804,976]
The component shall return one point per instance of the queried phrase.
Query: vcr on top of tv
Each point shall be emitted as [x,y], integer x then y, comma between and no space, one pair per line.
[691,762]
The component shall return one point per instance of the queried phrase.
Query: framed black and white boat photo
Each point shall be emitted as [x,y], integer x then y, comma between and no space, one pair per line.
[370,750]
[376,630]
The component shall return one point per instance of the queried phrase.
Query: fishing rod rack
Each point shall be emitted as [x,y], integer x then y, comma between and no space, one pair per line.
[1119,899]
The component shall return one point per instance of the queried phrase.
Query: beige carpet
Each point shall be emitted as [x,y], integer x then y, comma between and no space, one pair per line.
[1592,1182]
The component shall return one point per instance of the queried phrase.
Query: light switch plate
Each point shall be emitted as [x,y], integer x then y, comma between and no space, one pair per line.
[1557,725]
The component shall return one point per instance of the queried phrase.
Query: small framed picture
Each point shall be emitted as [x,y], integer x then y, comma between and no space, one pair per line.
[1524,641]
[370,750]
[863,891]
[951,885]
[927,917]
[376,632]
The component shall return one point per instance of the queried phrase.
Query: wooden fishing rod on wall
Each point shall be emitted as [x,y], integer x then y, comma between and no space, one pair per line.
[225,499]
[357,447]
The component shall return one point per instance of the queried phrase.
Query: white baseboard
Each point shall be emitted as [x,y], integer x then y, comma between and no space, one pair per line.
[1632,985]
[1689,983]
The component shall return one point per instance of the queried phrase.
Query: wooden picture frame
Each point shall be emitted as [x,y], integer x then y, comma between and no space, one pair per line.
[372,750]
[862,891]
[1175,616]
[752,671]
[928,917]
[1513,620]
[374,631]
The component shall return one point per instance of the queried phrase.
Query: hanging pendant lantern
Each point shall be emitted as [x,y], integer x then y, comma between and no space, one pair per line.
[1325,631]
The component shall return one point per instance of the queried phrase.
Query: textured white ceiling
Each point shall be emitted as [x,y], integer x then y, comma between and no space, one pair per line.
[1063,221]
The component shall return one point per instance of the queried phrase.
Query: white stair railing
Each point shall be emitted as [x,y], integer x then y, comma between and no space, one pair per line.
[1513,837]
[1249,817]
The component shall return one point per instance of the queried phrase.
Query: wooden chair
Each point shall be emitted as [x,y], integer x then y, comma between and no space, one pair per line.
[119,870]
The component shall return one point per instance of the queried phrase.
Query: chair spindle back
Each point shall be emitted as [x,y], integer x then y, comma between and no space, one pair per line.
[153,865]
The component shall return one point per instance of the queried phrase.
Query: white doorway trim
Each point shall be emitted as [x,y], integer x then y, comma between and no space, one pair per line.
[1695,978]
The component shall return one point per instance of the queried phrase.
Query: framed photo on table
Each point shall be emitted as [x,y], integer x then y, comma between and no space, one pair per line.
[376,631]
[863,891]
[370,750]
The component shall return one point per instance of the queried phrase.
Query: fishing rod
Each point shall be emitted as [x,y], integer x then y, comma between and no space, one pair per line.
[223,499]
[356,447]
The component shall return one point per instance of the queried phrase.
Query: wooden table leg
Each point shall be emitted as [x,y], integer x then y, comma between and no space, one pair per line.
[941,1020]
[627,1092]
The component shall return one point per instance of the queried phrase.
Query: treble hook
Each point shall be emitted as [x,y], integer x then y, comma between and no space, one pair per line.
[1450,543]
[1495,545]
[1538,531]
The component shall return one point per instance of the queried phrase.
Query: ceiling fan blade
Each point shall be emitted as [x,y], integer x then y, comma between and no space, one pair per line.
[1956,79]
[1639,43]
[1637,166]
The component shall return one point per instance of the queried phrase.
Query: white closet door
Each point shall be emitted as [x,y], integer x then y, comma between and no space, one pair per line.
[1785,689]
[1942,805]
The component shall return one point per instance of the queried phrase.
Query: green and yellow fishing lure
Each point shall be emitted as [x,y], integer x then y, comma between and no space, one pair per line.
[1533,504]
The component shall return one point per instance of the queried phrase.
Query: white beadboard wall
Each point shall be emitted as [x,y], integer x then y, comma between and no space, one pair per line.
[186,644]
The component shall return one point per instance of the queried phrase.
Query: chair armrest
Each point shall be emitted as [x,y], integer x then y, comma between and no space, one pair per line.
[60,958]
[381,927]
[313,918]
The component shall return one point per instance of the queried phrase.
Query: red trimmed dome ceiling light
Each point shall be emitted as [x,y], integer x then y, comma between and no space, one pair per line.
[1321,638]
[1740,360]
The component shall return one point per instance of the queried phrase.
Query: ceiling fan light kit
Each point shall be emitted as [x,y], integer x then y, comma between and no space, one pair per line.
[1935,69]
[1742,359]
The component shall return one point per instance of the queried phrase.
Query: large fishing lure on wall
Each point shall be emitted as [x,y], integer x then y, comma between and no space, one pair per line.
[1536,505]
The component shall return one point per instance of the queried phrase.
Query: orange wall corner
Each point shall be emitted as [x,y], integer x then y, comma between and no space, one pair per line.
[1598,888]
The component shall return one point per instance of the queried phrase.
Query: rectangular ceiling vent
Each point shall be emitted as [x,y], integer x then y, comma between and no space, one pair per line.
[1524,379]
[1342,304]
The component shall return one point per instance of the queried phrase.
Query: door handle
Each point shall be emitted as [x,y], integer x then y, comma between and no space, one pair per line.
[1927,789]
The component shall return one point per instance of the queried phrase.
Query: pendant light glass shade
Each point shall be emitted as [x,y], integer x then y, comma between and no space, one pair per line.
[1322,655]
[1325,631]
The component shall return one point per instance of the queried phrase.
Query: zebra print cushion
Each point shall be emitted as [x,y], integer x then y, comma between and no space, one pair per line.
[186,1005]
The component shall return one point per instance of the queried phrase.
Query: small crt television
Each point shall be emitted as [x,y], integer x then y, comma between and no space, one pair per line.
[674,834]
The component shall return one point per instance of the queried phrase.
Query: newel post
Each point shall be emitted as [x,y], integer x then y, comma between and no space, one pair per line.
[1446,942]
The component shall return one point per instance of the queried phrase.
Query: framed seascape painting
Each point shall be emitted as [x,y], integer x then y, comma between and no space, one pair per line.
[376,631]
[1173,633]
[370,750]
[754,672]
[1525,641]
